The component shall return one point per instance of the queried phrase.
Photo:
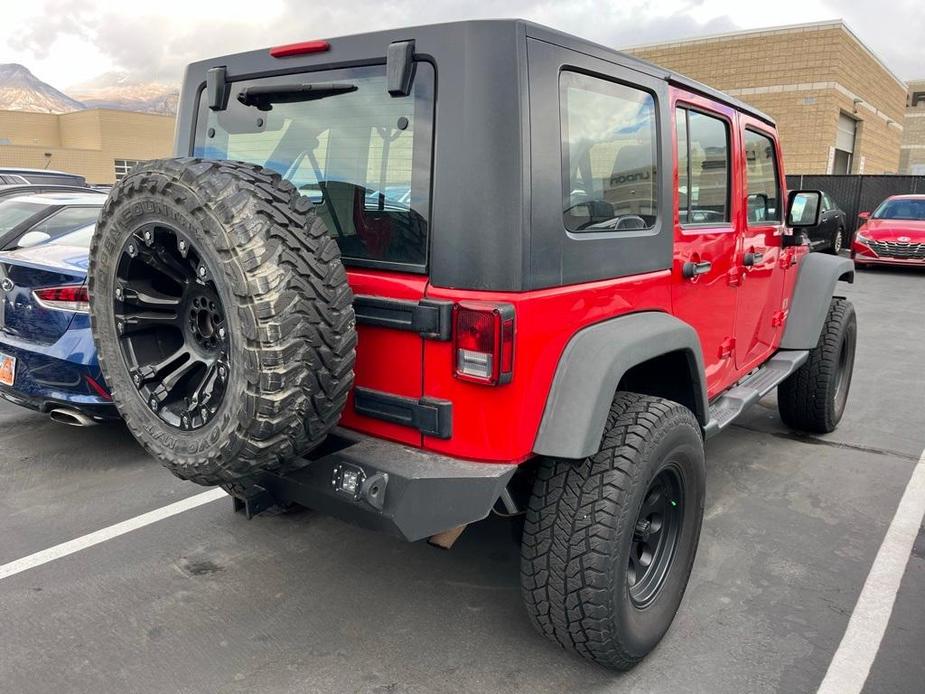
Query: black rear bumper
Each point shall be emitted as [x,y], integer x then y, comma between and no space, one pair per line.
[401,490]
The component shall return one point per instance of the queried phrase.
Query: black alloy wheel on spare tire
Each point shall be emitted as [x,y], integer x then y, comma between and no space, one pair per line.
[222,317]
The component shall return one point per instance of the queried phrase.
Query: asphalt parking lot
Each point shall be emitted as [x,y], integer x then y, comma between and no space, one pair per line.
[208,601]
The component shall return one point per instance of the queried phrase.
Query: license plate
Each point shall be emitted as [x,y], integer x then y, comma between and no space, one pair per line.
[7,369]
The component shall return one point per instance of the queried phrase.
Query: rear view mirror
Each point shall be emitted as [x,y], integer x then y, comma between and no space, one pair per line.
[32,238]
[864,215]
[803,208]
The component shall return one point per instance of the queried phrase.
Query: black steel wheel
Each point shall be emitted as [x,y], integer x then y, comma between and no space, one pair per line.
[222,317]
[171,326]
[655,536]
[609,541]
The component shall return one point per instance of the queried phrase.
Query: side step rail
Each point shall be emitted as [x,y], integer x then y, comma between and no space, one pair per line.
[728,406]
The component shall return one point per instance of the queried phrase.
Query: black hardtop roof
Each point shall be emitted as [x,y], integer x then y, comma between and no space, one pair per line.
[560,38]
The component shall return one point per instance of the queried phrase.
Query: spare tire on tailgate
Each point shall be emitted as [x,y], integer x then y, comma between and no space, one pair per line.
[222,317]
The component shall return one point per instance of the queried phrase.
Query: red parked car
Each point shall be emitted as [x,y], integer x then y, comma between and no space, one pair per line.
[894,234]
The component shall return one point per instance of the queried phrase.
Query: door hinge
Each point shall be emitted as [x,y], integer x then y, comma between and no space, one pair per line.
[727,347]
[778,318]
[787,259]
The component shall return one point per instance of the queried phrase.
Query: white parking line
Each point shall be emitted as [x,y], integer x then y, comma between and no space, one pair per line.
[108,533]
[851,664]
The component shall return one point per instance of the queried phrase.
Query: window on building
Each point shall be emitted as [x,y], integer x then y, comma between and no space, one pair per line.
[123,166]
[762,179]
[609,142]
[703,168]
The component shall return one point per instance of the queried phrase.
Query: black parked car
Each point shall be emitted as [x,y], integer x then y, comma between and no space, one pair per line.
[829,235]
[15,190]
[18,175]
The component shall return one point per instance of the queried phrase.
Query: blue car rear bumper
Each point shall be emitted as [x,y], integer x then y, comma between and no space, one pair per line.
[52,375]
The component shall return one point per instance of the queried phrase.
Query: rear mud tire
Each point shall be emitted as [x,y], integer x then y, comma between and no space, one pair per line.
[582,527]
[288,311]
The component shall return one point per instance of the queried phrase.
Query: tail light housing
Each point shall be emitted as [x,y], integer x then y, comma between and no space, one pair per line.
[71,297]
[483,342]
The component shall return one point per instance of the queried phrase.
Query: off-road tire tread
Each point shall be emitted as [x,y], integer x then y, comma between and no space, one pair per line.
[576,512]
[806,399]
[291,294]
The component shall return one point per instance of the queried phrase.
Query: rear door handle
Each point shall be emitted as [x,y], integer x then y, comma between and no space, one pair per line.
[690,270]
[752,259]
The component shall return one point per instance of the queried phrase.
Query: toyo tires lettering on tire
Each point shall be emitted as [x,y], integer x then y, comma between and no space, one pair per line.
[813,398]
[609,541]
[222,317]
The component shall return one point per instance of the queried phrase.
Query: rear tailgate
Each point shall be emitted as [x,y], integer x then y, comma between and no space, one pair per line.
[389,354]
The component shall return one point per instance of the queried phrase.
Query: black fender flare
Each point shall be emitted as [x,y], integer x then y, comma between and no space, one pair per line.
[818,273]
[589,372]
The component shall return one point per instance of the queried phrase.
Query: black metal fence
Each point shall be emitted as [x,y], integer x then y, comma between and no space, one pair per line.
[858,193]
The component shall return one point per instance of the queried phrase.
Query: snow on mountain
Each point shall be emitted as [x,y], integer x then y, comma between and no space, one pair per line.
[20,90]
[119,90]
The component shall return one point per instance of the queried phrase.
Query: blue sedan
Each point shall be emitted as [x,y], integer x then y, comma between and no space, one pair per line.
[47,356]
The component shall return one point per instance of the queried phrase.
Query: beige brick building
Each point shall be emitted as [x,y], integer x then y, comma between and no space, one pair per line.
[912,150]
[839,109]
[99,144]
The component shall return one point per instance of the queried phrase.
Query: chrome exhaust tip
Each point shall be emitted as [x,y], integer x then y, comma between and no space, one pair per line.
[74,418]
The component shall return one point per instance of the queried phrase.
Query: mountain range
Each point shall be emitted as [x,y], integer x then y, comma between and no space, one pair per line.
[20,90]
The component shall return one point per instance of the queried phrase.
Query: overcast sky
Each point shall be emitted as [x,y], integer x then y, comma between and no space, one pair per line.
[65,42]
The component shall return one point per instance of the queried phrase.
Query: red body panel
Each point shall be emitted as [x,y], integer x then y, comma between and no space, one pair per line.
[499,423]
[761,294]
[387,360]
[715,244]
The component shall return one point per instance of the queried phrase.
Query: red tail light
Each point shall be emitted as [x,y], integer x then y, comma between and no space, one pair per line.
[73,297]
[300,48]
[483,342]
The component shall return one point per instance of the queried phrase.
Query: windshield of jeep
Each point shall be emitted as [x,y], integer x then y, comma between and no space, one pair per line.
[360,155]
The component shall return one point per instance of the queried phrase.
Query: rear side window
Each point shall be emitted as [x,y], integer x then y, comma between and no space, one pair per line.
[360,155]
[67,220]
[761,178]
[609,155]
[703,168]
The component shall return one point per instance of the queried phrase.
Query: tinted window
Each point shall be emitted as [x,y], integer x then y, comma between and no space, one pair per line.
[15,212]
[67,220]
[761,176]
[909,208]
[80,238]
[609,155]
[362,156]
[703,168]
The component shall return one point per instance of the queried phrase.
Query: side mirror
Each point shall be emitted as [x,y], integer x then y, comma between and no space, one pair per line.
[803,208]
[864,215]
[32,238]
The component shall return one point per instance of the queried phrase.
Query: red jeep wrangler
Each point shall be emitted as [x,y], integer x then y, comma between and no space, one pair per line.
[409,277]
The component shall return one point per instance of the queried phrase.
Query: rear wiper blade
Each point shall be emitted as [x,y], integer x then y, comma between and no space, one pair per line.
[264,97]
